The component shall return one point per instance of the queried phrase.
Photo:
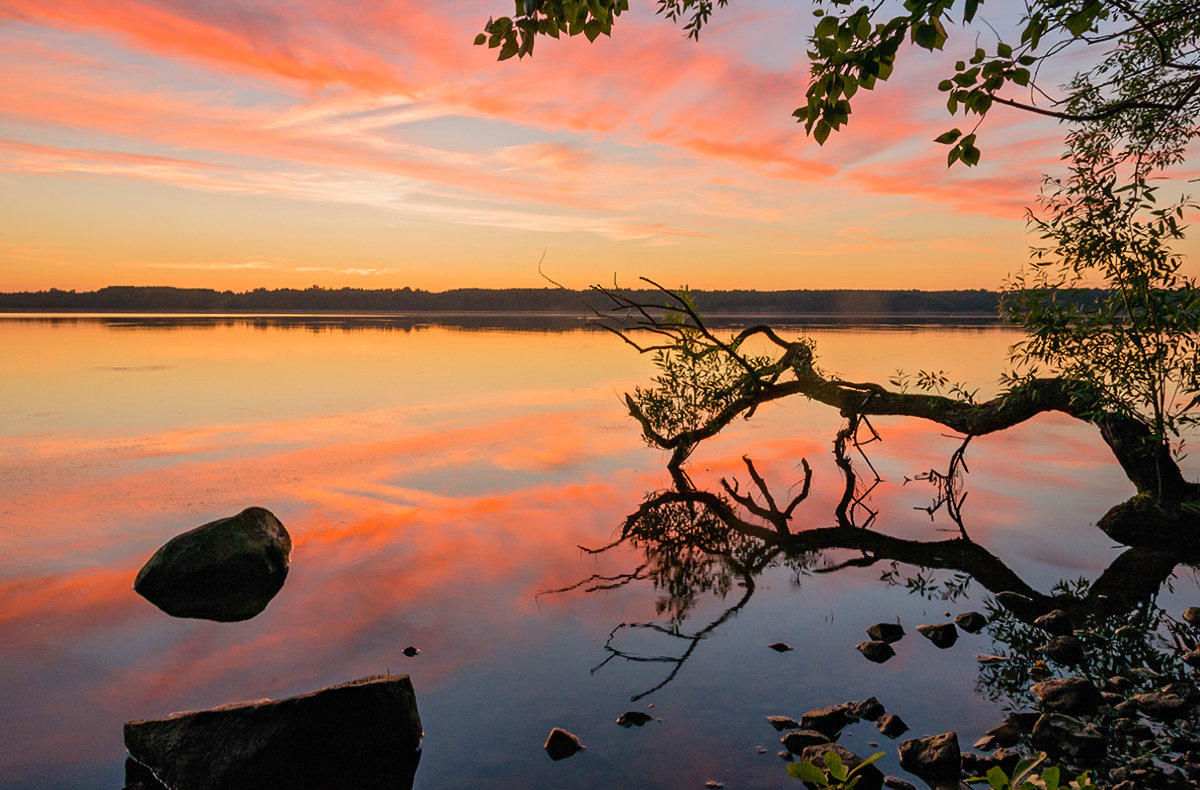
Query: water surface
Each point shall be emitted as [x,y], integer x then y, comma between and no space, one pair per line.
[435,480]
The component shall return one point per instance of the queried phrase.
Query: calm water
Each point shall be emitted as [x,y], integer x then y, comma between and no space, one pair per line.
[435,480]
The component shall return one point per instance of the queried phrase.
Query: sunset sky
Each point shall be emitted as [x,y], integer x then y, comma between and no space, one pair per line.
[367,143]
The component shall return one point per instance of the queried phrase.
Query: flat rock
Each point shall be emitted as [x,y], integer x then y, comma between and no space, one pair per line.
[943,635]
[361,734]
[797,741]
[876,651]
[886,632]
[870,778]
[227,570]
[1162,706]
[935,759]
[781,723]
[780,647]
[561,744]
[1073,696]
[971,622]
[896,783]
[892,725]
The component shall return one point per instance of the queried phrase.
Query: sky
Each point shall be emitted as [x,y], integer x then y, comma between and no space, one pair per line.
[367,143]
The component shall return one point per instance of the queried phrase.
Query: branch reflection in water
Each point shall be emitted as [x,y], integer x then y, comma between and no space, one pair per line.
[1108,634]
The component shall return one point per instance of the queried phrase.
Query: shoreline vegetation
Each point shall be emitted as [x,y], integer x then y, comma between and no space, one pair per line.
[549,301]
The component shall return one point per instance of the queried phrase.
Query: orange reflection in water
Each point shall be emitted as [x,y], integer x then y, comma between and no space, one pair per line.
[434,482]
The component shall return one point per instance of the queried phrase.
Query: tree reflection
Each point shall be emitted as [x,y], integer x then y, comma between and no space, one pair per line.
[698,542]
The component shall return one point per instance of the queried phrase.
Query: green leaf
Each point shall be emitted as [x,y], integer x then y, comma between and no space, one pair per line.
[836,768]
[997,779]
[1003,50]
[821,132]
[480,39]
[946,138]
[807,772]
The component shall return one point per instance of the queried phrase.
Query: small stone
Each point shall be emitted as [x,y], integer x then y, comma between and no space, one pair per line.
[1064,650]
[781,723]
[760,749]
[1006,734]
[713,783]
[971,622]
[785,755]
[936,759]
[797,741]
[869,709]
[562,744]
[886,632]
[1162,706]
[989,658]
[876,651]
[1073,696]
[1062,735]
[1192,616]
[828,721]
[780,647]
[892,725]
[943,635]
[985,744]
[897,783]
[633,718]
[1056,622]
[411,651]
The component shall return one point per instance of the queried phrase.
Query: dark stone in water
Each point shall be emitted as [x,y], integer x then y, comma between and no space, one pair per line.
[780,647]
[1191,615]
[798,740]
[1056,622]
[362,734]
[943,635]
[869,709]
[1065,650]
[886,632]
[892,725]
[829,721]
[411,651]
[1162,706]
[897,784]
[226,570]
[870,777]
[876,651]
[1068,695]
[633,718]
[936,759]
[1019,604]
[561,744]
[781,723]
[1067,738]
[971,622]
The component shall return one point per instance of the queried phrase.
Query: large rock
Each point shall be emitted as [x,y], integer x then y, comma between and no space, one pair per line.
[936,759]
[886,632]
[365,734]
[226,570]
[828,721]
[876,650]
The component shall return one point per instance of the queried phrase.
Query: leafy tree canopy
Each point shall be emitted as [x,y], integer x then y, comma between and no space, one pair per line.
[1142,58]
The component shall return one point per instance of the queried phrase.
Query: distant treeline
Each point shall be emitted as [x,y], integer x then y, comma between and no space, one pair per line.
[508,300]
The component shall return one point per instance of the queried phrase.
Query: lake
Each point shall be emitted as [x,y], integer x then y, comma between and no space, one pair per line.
[437,480]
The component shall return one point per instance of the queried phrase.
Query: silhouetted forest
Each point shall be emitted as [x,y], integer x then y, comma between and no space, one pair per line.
[509,300]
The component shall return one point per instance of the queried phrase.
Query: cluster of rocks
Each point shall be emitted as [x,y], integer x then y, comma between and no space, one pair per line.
[943,635]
